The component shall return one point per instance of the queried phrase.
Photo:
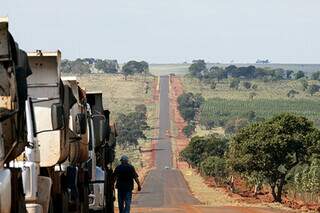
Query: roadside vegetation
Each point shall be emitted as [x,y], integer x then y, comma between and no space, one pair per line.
[281,152]
[270,118]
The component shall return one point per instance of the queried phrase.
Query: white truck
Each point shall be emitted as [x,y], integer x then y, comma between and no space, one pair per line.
[51,137]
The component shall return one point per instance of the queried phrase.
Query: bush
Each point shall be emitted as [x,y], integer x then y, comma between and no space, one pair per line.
[189,104]
[189,129]
[299,74]
[246,84]
[313,88]
[200,148]
[214,166]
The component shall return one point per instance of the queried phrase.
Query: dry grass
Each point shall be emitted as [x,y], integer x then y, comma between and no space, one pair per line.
[212,196]
[206,195]
[119,95]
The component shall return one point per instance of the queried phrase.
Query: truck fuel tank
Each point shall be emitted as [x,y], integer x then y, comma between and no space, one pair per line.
[79,147]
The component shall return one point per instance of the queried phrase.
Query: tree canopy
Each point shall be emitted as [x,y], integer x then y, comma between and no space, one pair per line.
[272,148]
[135,67]
[131,126]
[189,104]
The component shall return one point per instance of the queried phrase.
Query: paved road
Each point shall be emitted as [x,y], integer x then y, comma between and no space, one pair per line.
[165,190]
[164,187]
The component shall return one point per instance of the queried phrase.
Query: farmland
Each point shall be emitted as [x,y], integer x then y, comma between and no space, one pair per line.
[268,99]
[263,108]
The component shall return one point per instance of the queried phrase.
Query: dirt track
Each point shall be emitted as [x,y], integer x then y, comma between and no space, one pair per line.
[164,189]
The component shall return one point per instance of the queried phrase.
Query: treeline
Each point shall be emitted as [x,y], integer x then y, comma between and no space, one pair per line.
[91,65]
[131,127]
[282,153]
[199,69]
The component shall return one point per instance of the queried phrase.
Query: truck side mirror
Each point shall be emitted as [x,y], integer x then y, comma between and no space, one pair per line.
[81,124]
[57,116]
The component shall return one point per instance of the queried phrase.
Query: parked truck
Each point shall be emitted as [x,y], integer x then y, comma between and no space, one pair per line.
[56,143]
[103,148]
[14,68]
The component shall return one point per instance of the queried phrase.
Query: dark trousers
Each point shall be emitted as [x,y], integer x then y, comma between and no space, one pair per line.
[124,201]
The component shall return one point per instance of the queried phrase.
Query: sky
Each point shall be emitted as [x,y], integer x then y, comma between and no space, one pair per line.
[169,31]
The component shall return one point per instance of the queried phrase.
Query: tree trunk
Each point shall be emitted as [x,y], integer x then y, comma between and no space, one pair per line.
[276,189]
[273,192]
[279,189]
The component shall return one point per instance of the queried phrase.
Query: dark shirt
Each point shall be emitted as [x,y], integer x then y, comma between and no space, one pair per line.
[125,174]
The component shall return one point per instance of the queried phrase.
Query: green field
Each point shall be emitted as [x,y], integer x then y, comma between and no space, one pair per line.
[270,98]
[266,90]
[263,108]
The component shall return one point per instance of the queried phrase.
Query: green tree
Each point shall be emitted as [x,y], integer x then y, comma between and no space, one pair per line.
[197,68]
[214,166]
[200,148]
[299,74]
[272,148]
[288,74]
[107,66]
[135,67]
[189,129]
[189,104]
[79,66]
[131,127]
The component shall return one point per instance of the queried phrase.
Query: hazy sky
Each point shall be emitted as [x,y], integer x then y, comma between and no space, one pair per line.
[160,31]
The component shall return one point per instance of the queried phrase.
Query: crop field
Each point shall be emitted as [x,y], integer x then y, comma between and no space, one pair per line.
[270,98]
[262,107]
[266,90]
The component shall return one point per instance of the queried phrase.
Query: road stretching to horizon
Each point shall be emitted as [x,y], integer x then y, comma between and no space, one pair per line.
[165,189]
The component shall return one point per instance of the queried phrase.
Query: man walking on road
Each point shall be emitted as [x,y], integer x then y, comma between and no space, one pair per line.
[124,175]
